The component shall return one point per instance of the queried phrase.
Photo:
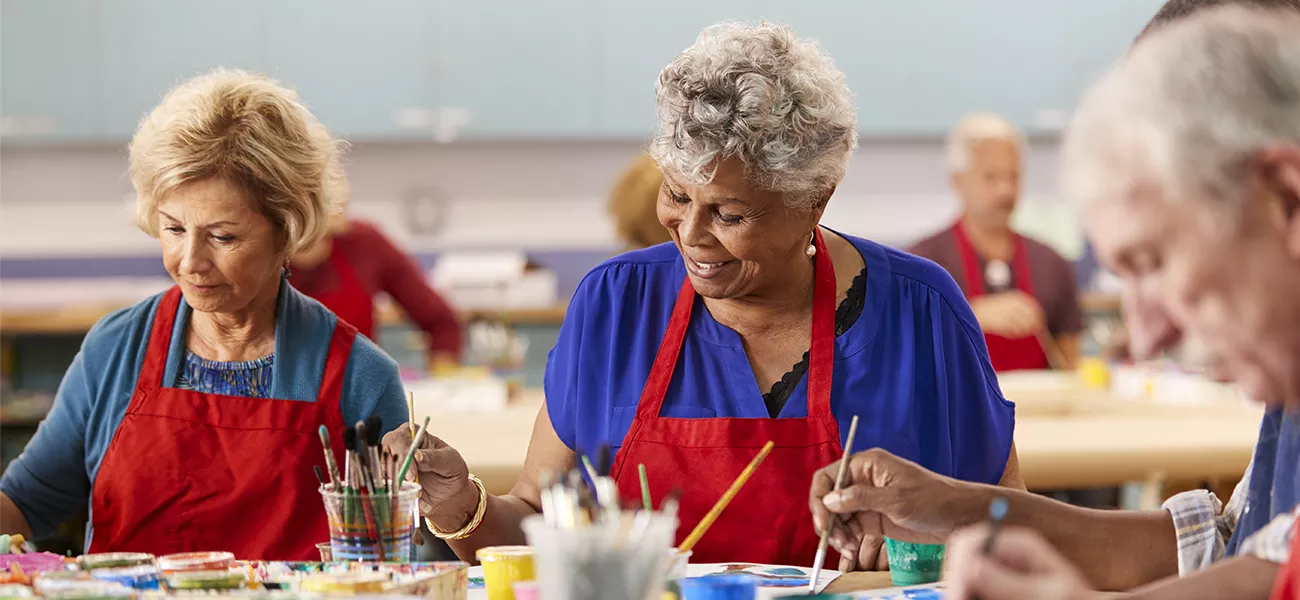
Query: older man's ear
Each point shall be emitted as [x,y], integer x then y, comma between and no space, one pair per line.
[1281,173]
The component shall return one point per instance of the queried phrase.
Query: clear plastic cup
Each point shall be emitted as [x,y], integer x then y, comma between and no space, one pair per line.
[371,527]
[623,561]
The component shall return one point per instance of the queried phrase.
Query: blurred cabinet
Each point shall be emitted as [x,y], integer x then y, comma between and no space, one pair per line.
[48,76]
[515,69]
[148,46]
[77,70]
[365,69]
[638,39]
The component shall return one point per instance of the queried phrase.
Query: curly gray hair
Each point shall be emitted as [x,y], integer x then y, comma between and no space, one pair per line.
[758,93]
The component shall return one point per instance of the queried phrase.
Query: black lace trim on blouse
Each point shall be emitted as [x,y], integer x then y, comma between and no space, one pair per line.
[845,316]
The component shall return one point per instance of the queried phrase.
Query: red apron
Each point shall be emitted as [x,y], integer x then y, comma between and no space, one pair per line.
[1006,354]
[349,298]
[1287,585]
[188,471]
[768,521]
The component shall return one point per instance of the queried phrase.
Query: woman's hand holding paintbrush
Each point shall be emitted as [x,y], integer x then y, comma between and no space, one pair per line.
[447,496]
[885,495]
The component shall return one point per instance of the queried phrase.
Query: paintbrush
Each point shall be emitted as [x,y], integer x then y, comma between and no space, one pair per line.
[350,480]
[374,425]
[820,560]
[590,469]
[670,503]
[997,514]
[372,524]
[410,454]
[330,463]
[319,475]
[726,498]
[646,502]
[1055,358]
[410,424]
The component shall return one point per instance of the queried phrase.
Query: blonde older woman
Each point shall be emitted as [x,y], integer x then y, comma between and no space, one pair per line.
[189,421]
[756,324]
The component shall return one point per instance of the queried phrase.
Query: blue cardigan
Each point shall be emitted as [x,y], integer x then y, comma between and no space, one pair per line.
[55,474]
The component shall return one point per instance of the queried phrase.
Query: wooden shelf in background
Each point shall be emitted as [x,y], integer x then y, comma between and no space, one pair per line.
[76,319]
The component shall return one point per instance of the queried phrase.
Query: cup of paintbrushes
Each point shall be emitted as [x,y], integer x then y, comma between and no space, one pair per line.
[370,526]
[620,559]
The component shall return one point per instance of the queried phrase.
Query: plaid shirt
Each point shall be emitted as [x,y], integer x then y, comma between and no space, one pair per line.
[1204,525]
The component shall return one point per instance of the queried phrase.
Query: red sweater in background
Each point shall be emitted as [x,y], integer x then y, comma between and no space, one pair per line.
[382,267]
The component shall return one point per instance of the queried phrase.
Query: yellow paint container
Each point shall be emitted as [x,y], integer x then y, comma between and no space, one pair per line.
[502,567]
[1094,373]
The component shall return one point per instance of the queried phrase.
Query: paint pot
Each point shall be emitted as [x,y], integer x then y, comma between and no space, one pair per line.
[139,577]
[227,579]
[196,561]
[14,590]
[113,560]
[503,566]
[719,587]
[526,590]
[78,589]
[33,562]
[326,550]
[914,564]
[346,583]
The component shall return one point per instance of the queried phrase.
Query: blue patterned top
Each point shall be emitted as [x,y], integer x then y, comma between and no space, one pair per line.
[248,379]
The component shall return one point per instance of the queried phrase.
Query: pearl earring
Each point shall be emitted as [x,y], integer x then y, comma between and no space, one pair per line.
[812,247]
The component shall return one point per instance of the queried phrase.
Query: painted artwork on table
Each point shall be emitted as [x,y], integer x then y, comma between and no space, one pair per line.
[929,592]
[770,576]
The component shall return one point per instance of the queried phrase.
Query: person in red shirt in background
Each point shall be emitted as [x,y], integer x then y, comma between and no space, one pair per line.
[353,264]
[1023,293]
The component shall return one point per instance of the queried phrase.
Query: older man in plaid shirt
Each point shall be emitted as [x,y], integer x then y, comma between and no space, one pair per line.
[1186,160]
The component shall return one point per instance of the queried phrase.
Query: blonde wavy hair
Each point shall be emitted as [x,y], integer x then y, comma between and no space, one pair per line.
[251,131]
[632,204]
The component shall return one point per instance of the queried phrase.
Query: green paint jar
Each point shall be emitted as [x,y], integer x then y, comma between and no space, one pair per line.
[914,564]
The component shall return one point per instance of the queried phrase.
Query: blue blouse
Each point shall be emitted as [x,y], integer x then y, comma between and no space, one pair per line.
[913,367]
[246,378]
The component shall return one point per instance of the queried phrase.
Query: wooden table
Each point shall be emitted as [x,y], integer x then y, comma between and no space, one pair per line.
[1089,447]
[859,582]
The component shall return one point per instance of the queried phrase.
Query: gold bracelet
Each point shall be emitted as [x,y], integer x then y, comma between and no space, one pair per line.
[468,529]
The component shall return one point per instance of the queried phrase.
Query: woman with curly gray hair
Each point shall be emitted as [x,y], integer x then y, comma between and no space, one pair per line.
[754,325]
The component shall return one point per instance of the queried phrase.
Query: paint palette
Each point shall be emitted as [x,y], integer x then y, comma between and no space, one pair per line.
[434,581]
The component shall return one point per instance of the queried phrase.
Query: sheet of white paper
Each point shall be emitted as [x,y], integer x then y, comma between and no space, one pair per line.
[776,580]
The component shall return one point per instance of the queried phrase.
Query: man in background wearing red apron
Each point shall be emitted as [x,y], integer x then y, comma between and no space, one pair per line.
[1023,293]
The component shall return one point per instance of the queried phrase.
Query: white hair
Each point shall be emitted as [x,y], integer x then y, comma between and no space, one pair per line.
[760,94]
[1187,108]
[973,129]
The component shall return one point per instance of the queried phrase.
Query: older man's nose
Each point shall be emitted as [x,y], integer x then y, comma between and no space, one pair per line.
[1151,330]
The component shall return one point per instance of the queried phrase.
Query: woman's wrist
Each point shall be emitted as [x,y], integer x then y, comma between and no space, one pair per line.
[457,513]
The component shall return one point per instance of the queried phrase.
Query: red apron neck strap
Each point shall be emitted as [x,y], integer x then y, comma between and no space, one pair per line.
[661,373]
[336,364]
[1020,268]
[821,352]
[160,339]
[969,262]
